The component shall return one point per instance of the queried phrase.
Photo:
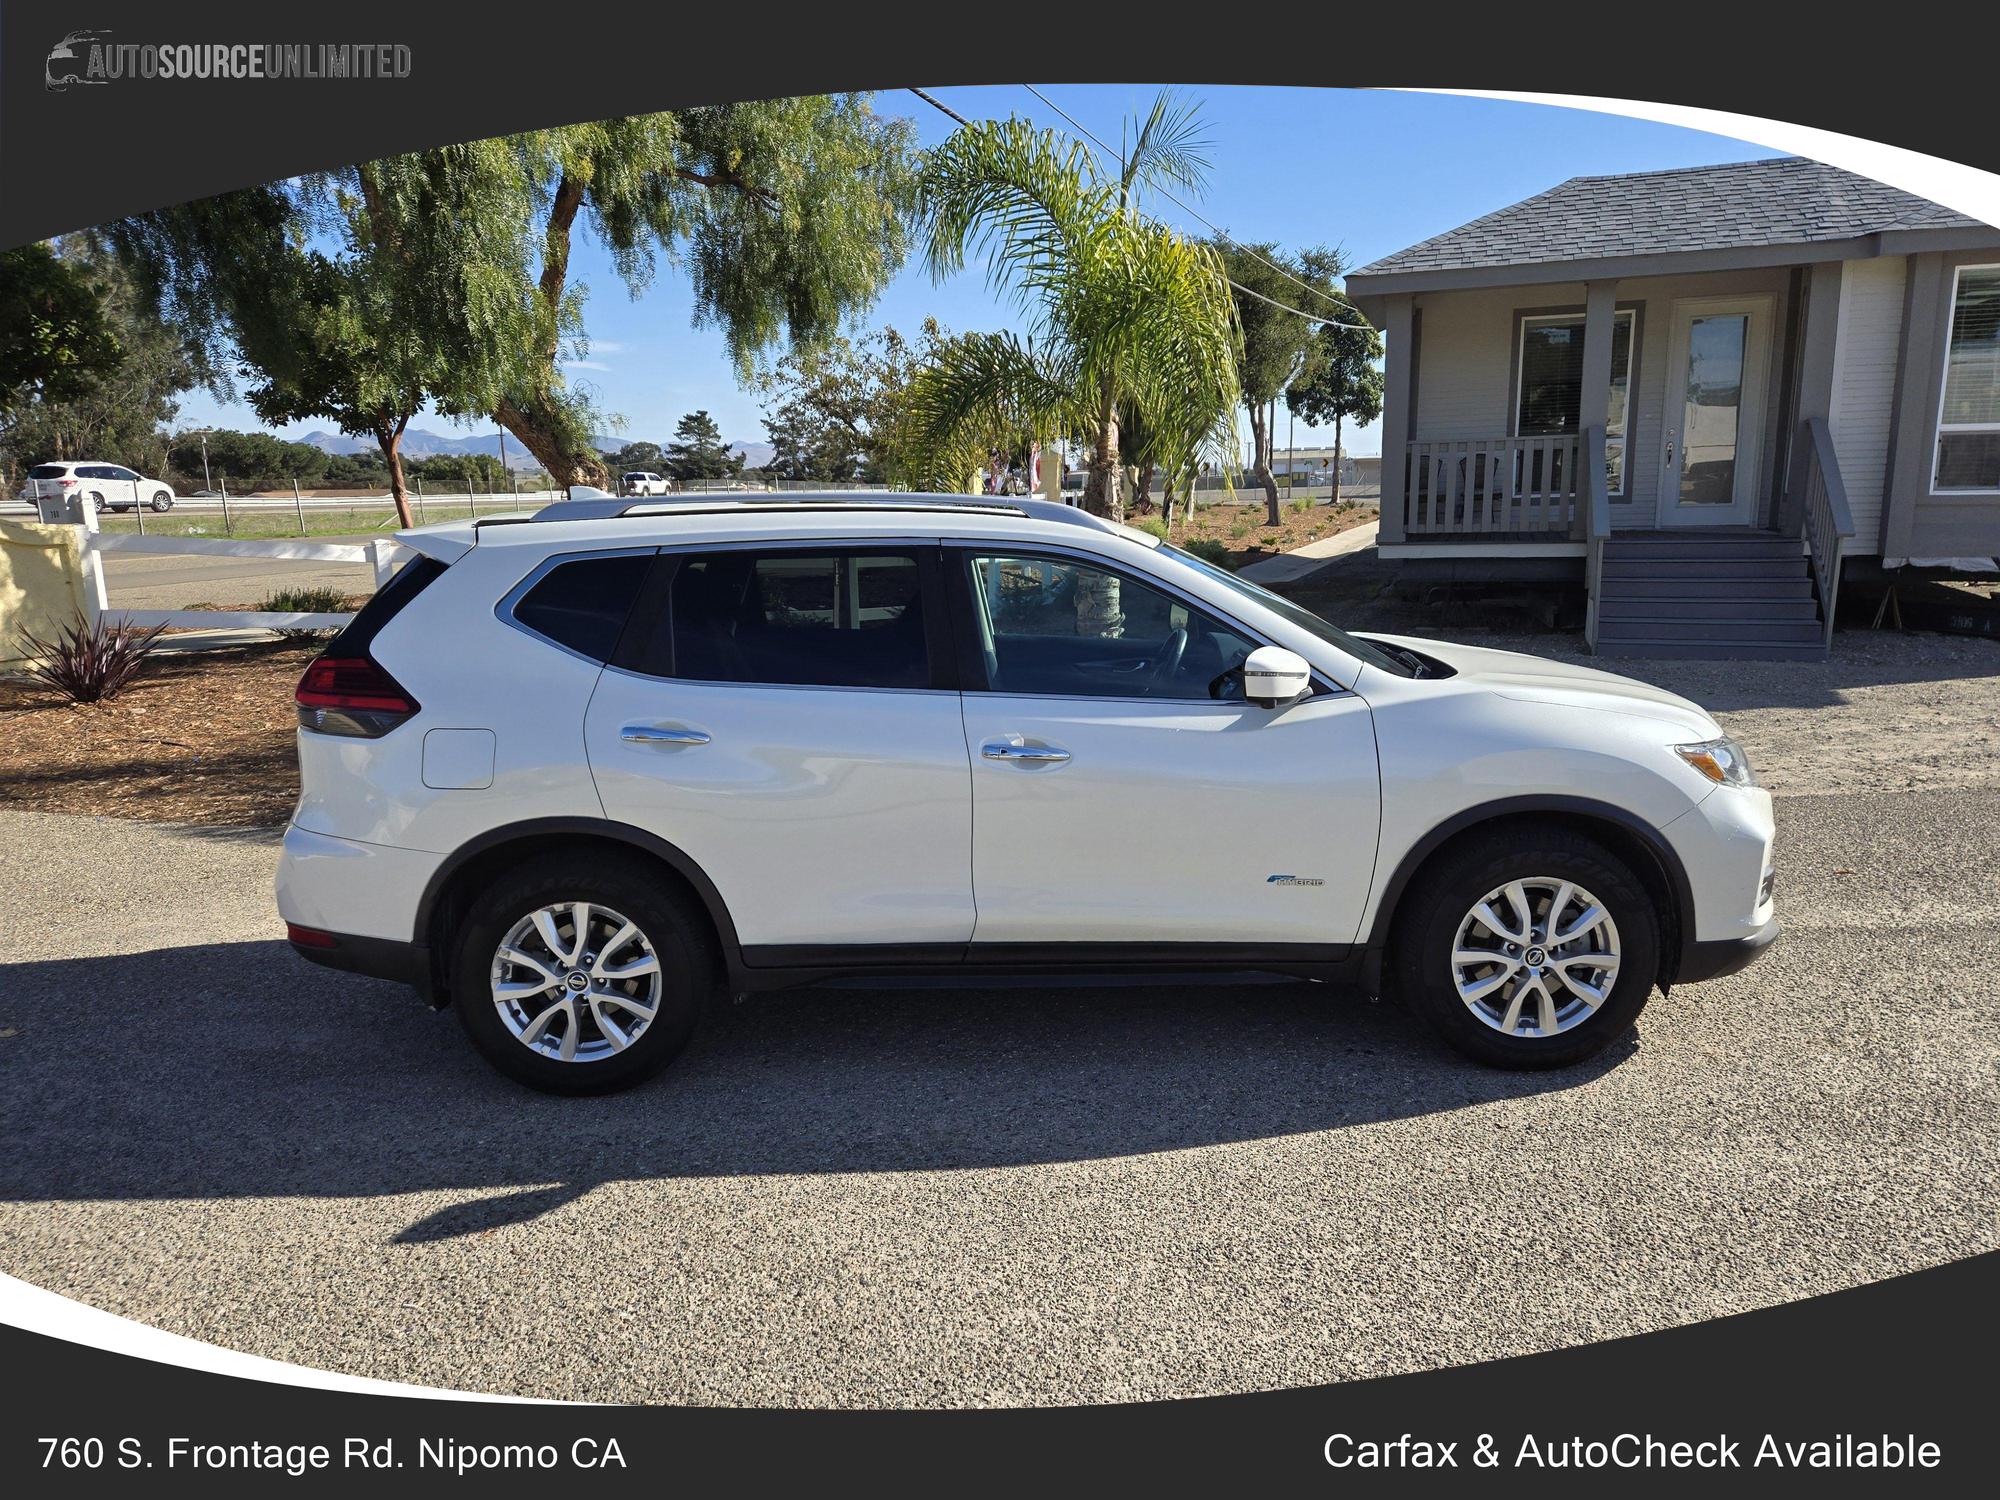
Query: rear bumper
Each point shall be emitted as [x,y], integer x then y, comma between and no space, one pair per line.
[377,958]
[1701,961]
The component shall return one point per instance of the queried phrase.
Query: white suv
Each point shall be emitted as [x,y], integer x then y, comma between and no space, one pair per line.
[105,486]
[644,482]
[577,773]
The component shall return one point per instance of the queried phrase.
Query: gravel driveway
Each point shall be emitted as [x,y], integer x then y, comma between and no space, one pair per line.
[934,1196]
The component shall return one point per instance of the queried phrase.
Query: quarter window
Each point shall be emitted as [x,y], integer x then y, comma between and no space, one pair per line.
[582,604]
[821,619]
[1548,381]
[1050,626]
[1968,440]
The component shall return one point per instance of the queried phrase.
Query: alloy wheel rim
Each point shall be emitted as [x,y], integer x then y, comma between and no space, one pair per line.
[576,982]
[1535,957]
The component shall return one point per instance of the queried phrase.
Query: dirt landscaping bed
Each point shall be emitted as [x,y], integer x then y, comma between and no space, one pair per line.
[201,737]
[1245,536]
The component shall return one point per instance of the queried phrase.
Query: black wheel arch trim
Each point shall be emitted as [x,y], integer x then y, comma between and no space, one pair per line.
[609,829]
[1649,837]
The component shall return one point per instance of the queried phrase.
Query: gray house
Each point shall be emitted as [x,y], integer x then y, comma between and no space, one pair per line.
[1699,391]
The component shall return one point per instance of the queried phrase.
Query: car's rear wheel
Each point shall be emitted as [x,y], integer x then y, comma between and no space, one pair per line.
[161,501]
[1528,949]
[581,976]
[97,502]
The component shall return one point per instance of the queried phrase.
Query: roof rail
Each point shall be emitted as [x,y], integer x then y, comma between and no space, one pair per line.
[817,501]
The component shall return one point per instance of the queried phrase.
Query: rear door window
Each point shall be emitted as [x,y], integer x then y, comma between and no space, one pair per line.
[582,603]
[835,618]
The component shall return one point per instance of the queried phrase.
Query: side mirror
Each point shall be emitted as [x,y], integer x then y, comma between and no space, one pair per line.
[1273,677]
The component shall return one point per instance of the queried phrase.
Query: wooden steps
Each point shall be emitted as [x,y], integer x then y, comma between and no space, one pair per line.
[1708,595]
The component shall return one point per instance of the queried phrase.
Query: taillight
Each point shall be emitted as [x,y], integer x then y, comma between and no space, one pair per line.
[351,695]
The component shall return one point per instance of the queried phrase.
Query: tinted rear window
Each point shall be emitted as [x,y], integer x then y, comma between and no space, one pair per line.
[582,604]
[48,471]
[829,619]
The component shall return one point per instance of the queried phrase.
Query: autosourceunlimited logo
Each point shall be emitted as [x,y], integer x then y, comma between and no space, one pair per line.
[86,58]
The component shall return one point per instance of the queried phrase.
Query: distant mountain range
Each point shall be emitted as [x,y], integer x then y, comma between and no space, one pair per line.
[418,443]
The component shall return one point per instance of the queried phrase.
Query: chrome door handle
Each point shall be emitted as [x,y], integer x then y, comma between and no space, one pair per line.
[1027,755]
[661,734]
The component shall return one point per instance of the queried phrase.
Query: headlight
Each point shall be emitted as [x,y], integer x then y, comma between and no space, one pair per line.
[1721,761]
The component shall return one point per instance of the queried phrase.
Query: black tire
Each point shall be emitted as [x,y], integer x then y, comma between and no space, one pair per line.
[97,502]
[1444,893]
[676,930]
[161,503]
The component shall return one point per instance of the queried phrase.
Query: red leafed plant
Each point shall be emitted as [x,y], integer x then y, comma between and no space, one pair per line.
[87,662]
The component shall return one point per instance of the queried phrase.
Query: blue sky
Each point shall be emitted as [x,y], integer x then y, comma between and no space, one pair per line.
[1368,171]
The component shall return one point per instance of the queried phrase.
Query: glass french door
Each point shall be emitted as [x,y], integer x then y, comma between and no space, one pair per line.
[1718,360]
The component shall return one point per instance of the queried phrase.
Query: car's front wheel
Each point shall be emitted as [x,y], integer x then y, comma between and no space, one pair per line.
[161,501]
[1528,950]
[581,976]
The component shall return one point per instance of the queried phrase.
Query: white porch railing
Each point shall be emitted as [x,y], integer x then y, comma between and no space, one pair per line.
[1506,487]
[379,554]
[1825,517]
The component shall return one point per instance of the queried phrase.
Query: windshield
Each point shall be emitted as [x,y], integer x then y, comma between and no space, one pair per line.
[1305,619]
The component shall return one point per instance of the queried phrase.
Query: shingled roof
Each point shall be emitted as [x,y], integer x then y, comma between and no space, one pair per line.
[1785,200]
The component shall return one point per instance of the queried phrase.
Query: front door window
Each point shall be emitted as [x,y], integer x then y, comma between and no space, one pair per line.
[1714,418]
[1711,407]
[1053,626]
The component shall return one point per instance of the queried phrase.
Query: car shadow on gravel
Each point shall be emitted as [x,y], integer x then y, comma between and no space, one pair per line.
[238,1071]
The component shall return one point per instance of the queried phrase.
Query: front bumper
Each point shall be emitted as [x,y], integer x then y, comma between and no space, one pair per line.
[1712,960]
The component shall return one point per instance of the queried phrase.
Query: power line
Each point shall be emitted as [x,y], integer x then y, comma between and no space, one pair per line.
[1246,291]
[935,105]
[1213,228]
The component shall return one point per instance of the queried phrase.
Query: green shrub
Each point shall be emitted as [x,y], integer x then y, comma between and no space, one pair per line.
[306,601]
[1151,525]
[1301,507]
[1212,551]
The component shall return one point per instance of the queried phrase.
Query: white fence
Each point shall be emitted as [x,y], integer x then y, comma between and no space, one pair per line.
[379,554]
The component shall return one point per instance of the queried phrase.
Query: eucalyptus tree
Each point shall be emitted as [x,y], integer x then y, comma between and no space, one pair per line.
[359,296]
[85,370]
[55,340]
[787,214]
[444,277]
[1272,292]
[1342,379]
[1122,312]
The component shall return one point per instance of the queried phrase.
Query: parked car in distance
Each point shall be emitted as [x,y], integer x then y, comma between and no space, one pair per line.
[106,486]
[578,773]
[643,482]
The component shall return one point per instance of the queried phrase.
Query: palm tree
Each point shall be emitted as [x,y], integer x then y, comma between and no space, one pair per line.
[1124,314]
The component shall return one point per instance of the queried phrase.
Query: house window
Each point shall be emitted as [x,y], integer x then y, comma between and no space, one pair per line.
[1968,440]
[1548,384]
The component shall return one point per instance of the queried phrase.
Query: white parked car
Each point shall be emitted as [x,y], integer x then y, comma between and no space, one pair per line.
[576,774]
[642,482]
[105,486]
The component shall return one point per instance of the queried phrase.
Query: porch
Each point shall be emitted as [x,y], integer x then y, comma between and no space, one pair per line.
[1686,415]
